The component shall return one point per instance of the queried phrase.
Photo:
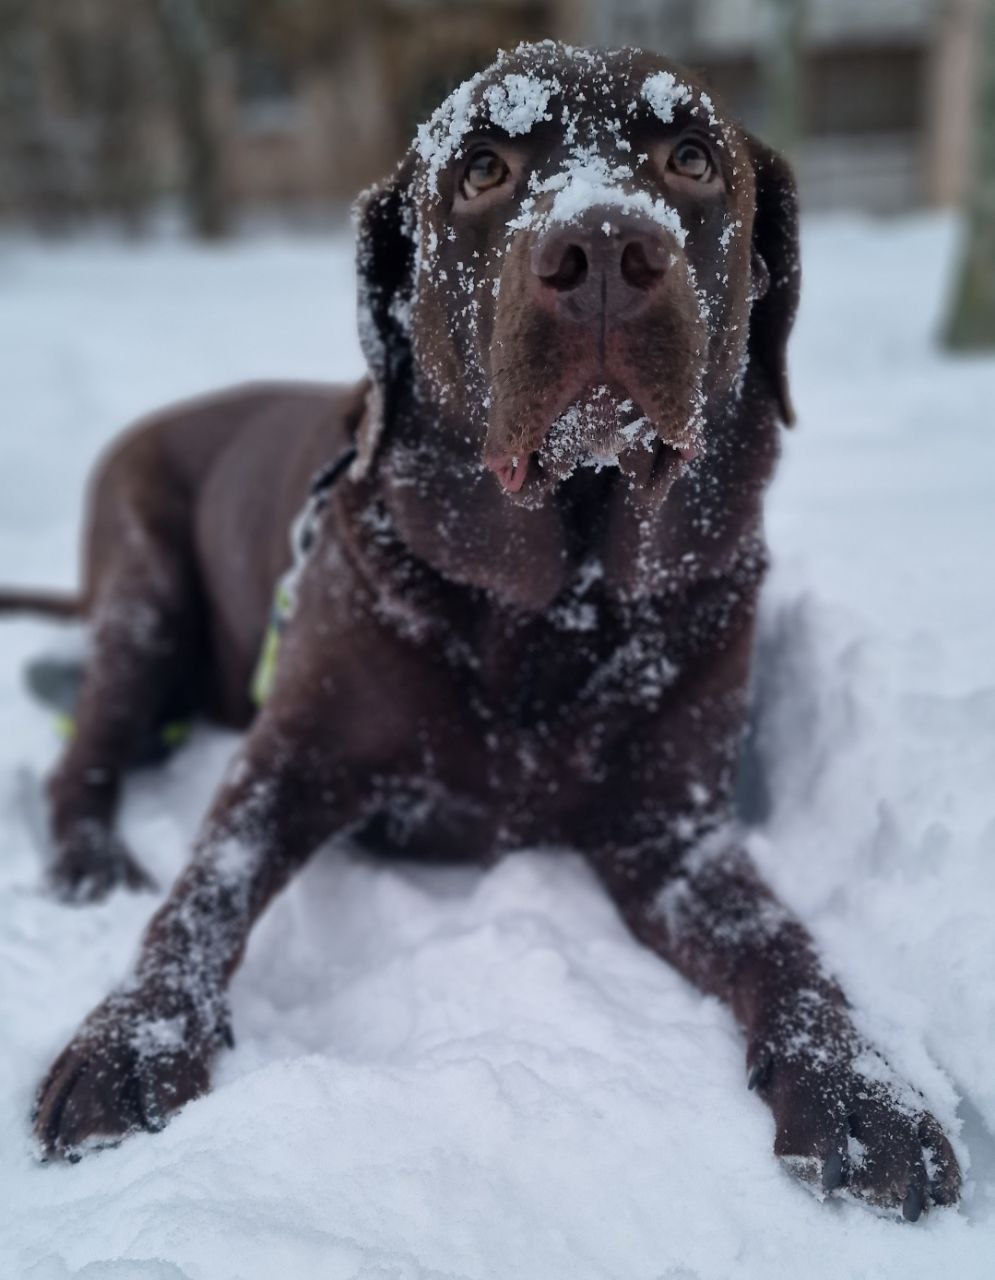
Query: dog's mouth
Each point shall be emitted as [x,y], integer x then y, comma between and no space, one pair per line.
[511,471]
[602,427]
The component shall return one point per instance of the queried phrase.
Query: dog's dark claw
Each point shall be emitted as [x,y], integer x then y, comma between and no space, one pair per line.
[913,1204]
[832,1172]
[760,1071]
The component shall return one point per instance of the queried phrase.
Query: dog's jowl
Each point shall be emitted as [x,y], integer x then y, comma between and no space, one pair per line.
[520,601]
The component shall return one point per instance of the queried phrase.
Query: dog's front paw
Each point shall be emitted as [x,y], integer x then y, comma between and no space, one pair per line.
[847,1123]
[90,861]
[132,1063]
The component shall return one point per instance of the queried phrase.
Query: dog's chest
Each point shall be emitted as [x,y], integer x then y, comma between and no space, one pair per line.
[553,694]
[580,660]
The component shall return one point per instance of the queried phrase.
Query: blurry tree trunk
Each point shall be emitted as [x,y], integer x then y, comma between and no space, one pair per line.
[123,179]
[187,45]
[783,71]
[971,323]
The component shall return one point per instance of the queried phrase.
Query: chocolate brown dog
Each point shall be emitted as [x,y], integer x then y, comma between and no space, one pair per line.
[523,600]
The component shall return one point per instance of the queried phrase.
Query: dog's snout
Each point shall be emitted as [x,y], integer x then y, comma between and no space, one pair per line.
[606,264]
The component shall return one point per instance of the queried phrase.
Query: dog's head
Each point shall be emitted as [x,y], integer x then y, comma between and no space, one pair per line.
[581,261]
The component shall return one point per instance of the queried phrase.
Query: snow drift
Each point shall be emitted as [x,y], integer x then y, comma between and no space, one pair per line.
[453,1075]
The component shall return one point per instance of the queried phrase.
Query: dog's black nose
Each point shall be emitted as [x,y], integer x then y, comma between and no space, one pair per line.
[606,263]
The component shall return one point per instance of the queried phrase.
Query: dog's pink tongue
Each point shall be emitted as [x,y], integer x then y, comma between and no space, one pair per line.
[511,472]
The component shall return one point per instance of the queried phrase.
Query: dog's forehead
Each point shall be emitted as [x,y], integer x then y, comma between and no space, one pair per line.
[593,95]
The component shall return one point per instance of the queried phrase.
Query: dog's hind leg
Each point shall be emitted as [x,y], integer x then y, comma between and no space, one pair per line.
[145,622]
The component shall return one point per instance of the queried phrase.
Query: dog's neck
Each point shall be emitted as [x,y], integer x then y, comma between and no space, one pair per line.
[450,513]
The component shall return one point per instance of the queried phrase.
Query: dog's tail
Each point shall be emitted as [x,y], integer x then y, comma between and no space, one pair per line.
[49,604]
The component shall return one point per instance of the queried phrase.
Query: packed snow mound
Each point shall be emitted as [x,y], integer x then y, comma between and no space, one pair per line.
[462,1075]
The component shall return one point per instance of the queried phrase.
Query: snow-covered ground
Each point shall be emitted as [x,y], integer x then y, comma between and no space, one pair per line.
[478,1076]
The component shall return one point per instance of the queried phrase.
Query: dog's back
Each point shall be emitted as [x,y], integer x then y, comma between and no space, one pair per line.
[218,480]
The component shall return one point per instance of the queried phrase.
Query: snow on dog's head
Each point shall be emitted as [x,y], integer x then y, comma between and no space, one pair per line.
[583,262]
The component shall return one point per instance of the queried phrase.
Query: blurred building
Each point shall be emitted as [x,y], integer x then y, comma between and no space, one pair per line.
[885,85]
[306,101]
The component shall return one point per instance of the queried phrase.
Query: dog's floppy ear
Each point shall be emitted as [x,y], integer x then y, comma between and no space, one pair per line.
[383,218]
[777,270]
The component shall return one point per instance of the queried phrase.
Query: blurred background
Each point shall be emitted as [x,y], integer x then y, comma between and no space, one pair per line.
[229,107]
[222,113]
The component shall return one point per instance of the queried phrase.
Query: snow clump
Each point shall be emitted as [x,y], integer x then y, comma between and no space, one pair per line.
[587,181]
[519,103]
[664,93]
[516,105]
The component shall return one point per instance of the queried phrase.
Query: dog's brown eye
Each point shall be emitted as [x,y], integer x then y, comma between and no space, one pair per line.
[485,170]
[691,160]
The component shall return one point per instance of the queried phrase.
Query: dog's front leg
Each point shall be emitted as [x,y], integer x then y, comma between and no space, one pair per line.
[147,1049]
[843,1118]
